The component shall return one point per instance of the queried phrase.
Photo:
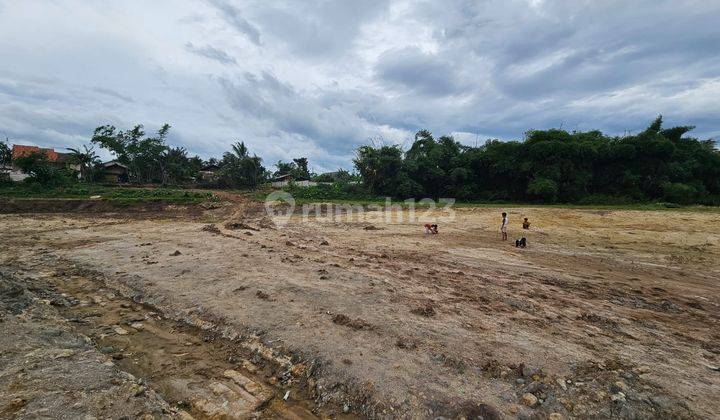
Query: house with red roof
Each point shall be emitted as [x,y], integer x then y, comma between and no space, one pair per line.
[57,159]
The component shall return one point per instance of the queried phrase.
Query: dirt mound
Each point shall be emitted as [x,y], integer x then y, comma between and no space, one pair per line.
[13,297]
[426,311]
[249,215]
[240,225]
[356,324]
[211,228]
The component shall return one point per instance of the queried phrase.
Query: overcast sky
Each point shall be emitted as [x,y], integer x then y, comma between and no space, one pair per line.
[317,79]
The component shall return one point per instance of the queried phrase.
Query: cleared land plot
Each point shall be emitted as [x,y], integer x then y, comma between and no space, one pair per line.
[606,313]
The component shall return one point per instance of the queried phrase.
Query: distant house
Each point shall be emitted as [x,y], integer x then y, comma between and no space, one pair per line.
[285,180]
[208,172]
[13,173]
[282,180]
[115,172]
[329,176]
[60,160]
[57,159]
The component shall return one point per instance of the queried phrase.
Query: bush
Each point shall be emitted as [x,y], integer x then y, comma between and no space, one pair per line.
[710,200]
[676,192]
[335,191]
[5,180]
[41,171]
[544,189]
[33,189]
[408,188]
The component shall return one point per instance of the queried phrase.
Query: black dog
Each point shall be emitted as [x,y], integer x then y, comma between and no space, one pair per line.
[520,243]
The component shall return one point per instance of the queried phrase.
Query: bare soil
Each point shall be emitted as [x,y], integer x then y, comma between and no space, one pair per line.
[604,314]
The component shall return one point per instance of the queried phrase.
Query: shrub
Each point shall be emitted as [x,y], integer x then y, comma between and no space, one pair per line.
[676,192]
[710,200]
[335,191]
[544,189]
[41,171]
[5,180]
[408,188]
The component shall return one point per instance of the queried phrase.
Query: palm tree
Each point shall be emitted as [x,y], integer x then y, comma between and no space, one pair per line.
[240,150]
[5,153]
[85,159]
[239,169]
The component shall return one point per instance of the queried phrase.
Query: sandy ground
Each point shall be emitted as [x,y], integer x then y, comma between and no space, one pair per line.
[605,314]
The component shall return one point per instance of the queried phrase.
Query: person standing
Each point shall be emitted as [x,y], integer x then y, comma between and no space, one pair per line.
[504,226]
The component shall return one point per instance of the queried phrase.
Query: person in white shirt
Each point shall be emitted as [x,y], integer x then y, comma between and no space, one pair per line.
[503,227]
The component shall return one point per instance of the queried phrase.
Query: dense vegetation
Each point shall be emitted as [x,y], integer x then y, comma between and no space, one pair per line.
[548,166]
[150,160]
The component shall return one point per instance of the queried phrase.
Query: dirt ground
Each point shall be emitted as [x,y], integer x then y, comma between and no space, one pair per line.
[604,314]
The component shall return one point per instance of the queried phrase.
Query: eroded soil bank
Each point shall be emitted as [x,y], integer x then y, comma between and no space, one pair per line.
[605,314]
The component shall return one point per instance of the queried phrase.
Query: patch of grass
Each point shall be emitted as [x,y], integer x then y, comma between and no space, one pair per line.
[509,205]
[338,194]
[634,206]
[123,195]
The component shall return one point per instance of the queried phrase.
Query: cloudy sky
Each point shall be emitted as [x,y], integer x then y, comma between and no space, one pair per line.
[318,78]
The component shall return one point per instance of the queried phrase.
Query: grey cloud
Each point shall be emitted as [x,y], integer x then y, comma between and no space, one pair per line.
[412,69]
[530,63]
[31,92]
[234,17]
[317,29]
[43,127]
[604,46]
[336,126]
[28,92]
[112,93]
[211,52]
[328,75]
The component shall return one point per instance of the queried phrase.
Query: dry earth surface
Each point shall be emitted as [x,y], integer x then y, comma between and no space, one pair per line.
[221,313]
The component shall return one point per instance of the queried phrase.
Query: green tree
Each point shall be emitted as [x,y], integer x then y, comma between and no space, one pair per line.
[87,159]
[676,192]
[240,170]
[543,188]
[284,168]
[302,168]
[143,155]
[298,168]
[551,165]
[436,165]
[380,168]
[37,167]
[177,167]
[5,153]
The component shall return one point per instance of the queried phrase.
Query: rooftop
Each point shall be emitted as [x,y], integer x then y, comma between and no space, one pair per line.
[19,151]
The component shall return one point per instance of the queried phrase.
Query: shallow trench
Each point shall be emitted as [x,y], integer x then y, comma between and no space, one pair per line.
[196,371]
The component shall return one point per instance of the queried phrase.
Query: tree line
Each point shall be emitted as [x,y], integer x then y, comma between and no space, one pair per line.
[547,166]
[150,160]
[551,166]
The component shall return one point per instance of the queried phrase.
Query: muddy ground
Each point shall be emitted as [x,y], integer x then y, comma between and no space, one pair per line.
[604,314]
